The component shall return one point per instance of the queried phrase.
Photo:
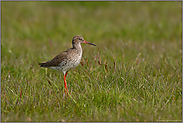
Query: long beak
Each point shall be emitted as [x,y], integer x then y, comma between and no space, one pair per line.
[88,43]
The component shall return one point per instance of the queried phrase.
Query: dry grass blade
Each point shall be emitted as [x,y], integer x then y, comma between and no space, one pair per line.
[49,81]
[86,61]
[137,59]
[114,66]
[106,67]
[94,57]
[88,73]
[20,93]
[19,98]
[99,59]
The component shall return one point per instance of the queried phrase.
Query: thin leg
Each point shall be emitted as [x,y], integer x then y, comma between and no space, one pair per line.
[65,74]
[65,83]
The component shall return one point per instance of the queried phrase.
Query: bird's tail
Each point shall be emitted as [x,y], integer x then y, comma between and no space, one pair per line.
[42,64]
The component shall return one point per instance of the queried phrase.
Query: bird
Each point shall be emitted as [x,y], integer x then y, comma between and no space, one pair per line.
[68,59]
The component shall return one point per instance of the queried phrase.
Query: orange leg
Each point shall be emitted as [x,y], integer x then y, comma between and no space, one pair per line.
[65,83]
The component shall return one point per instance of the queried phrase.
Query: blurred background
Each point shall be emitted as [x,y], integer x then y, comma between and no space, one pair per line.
[43,28]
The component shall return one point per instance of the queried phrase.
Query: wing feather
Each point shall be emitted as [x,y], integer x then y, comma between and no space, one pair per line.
[55,61]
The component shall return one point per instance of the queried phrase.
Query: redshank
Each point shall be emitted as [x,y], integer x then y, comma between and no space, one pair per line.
[68,59]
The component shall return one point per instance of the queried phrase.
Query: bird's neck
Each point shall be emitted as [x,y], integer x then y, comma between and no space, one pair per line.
[77,47]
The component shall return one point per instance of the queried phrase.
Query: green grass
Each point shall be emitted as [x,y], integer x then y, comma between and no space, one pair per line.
[134,73]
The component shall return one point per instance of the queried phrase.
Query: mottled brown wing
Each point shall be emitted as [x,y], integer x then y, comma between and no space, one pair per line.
[55,61]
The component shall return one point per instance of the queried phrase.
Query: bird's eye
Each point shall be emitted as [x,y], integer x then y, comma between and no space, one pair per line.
[80,38]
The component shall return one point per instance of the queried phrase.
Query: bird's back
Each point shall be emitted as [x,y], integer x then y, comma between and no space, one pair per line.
[64,61]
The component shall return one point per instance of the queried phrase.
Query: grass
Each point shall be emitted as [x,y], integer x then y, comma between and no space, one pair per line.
[134,73]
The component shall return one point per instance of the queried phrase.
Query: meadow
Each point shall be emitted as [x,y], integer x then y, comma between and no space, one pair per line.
[133,74]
